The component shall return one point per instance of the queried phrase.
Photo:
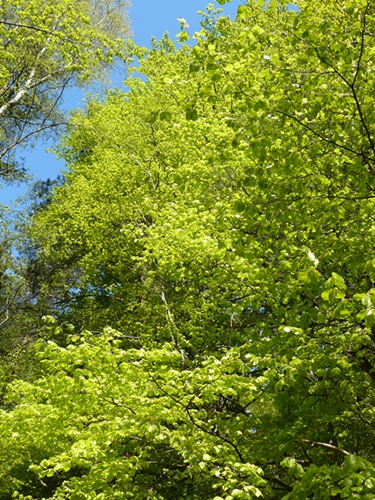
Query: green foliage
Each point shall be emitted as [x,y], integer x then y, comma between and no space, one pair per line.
[115,420]
[45,47]
[220,216]
[20,312]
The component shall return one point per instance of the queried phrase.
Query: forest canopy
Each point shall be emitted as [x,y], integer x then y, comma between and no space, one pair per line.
[206,274]
[45,48]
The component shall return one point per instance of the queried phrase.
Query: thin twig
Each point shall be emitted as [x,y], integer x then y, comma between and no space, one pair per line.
[326,445]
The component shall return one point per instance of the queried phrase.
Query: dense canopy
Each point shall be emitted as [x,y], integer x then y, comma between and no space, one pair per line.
[207,275]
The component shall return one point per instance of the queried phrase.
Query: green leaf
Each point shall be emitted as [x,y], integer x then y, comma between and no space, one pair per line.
[191,114]
[242,12]
[183,36]
[332,294]
[343,309]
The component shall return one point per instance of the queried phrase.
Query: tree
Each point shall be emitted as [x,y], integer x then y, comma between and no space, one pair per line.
[46,48]
[219,217]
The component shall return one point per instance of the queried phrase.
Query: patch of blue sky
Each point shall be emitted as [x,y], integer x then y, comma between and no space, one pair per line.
[149,18]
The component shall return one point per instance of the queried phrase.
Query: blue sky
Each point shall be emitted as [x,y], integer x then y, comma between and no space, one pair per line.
[148,18]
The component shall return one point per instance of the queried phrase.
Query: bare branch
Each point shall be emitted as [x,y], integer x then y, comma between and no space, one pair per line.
[326,445]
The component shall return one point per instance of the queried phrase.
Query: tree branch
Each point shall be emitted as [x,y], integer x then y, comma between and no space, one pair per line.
[35,28]
[326,445]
